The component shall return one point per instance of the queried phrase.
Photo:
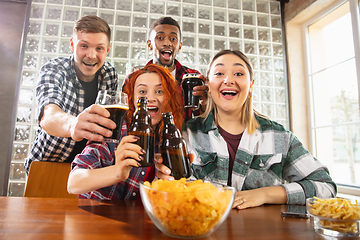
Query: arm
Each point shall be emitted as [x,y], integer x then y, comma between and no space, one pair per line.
[58,113]
[243,199]
[89,122]
[305,176]
[82,180]
[260,196]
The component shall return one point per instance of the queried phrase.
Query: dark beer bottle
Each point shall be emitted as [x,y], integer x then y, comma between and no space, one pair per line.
[173,149]
[141,127]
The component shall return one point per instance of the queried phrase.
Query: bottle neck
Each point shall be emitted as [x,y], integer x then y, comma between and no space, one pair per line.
[170,130]
[168,120]
[141,114]
[142,106]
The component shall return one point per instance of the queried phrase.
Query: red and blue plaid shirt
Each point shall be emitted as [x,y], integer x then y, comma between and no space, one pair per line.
[100,154]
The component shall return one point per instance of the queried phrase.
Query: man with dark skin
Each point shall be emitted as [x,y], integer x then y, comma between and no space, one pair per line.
[165,42]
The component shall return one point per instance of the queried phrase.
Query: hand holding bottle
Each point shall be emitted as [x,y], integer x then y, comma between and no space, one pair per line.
[162,171]
[173,148]
[127,155]
[141,127]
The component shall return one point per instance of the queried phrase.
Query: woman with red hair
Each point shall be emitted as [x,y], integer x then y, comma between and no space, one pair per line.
[109,171]
[172,100]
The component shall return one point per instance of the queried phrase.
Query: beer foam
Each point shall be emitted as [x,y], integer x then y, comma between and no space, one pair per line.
[124,107]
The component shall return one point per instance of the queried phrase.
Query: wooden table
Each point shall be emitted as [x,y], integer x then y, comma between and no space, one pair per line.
[51,218]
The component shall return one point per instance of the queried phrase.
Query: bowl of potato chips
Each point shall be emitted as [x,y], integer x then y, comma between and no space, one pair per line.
[336,217]
[186,209]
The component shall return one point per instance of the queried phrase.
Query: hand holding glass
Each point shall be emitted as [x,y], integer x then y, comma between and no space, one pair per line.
[117,105]
[191,80]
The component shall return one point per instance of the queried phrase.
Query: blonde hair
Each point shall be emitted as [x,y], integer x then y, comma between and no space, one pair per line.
[248,113]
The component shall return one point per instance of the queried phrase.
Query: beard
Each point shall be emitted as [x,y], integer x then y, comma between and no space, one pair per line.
[166,65]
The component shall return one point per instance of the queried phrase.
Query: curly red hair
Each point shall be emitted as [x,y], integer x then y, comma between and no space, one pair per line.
[170,88]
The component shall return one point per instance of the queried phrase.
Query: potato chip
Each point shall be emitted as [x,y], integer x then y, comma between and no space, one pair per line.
[187,208]
[338,209]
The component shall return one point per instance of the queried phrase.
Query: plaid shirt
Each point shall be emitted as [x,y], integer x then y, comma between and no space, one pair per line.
[58,84]
[270,156]
[98,155]
[179,73]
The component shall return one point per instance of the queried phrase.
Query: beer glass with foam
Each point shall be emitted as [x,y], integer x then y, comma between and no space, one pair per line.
[190,80]
[117,105]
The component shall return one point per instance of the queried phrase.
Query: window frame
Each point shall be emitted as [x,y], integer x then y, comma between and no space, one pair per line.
[343,189]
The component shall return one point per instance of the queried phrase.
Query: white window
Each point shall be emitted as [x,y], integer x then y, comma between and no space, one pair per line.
[333,72]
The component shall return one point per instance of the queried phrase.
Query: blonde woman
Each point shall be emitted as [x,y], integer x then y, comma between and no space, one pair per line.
[235,145]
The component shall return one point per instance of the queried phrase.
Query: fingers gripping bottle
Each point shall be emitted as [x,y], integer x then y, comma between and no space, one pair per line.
[173,149]
[141,127]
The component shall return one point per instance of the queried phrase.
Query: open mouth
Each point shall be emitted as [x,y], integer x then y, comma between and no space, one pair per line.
[229,93]
[167,54]
[89,64]
[152,110]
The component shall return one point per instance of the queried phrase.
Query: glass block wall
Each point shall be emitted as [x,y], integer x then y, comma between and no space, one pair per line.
[253,26]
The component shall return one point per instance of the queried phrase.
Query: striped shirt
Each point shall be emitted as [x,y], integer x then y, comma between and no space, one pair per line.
[271,156]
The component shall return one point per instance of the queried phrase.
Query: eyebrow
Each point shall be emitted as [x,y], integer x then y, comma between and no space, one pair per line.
[235,64]
[161,32]
[144,85]
[88,42]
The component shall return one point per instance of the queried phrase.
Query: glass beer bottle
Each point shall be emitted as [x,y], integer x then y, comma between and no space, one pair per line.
[173,149]
[141,127]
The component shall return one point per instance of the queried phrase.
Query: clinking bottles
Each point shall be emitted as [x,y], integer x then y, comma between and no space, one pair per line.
[141,127]
[173,149]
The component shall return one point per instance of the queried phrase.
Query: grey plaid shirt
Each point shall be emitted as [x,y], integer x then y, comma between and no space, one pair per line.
[270,156]
[58,84]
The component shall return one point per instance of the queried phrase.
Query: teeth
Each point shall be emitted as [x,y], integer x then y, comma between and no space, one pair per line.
[152,108]
[228,92]
[89,64]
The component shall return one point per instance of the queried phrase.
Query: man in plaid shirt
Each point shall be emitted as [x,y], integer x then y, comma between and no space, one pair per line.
[165,42]
[66,94]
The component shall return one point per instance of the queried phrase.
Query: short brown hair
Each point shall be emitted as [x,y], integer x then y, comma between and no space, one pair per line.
[92,24]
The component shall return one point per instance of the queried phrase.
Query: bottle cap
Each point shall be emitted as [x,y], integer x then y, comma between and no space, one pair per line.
[142,100]
[167,114]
